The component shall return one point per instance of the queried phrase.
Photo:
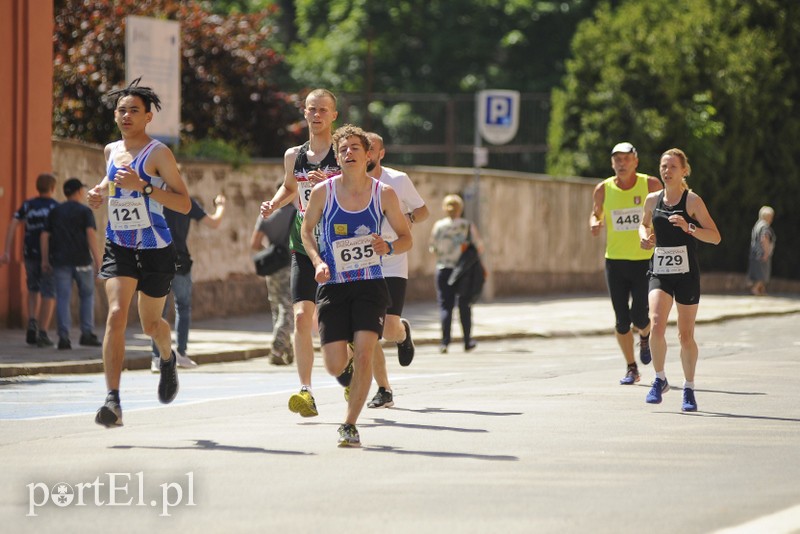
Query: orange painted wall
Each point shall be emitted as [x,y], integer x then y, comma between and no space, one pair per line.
[26,103]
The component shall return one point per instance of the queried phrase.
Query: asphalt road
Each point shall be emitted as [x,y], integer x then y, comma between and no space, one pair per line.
[518,436]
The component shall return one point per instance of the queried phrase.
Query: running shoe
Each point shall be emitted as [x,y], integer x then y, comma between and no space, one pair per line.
[405,349]
[348,436]
[64,344]
[303,403]
[469,345]
[347,375]
[90,340]
[110,414]
[280,359]
[442,349]
[168,383]
[644,350]
[185,361]
[689,402]
[32,333]
[382,399]
[659,387]
[155,363]
[631,377]
[43,341]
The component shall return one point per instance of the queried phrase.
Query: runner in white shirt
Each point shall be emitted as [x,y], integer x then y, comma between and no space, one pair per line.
[395,271]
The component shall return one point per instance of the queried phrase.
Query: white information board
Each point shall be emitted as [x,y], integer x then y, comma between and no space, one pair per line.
[153,51]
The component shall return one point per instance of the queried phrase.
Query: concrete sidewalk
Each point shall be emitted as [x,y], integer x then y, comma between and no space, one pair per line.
[245,337]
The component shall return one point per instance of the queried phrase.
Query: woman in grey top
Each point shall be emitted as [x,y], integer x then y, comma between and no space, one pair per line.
[762,245]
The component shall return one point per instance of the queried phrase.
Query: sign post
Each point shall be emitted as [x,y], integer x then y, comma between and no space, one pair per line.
[496,121]
[152,51]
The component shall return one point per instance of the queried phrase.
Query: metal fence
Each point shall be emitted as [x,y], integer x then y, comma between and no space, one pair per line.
[439,129]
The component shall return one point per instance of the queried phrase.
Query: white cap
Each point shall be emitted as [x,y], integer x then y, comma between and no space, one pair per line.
[624,147]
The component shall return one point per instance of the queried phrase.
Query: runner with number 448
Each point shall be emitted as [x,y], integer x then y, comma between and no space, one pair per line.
[617,205]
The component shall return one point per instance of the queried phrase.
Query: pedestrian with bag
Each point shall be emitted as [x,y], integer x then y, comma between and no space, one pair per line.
[273,262]
[450,238]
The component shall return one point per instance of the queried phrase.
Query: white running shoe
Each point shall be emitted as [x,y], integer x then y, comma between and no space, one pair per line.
[155,365]
[185,362]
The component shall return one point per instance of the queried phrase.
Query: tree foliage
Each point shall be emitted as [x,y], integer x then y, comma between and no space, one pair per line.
[232,72]
[717,78]
[419,46]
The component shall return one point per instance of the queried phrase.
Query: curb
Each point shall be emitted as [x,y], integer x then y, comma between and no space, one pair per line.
[140,361]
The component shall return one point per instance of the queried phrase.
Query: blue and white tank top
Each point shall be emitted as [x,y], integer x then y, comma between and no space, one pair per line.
[134,220]
[346,236]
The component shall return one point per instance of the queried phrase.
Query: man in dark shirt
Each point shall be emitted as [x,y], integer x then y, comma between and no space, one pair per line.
[182,283]
[41,292]
[71,252]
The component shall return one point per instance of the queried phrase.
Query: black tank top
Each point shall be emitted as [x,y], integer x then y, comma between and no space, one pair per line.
[301,169]
[668,235]
[302,166]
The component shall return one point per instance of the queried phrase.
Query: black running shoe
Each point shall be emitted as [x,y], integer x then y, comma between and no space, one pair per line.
[382,399]
[90,340]
[347,376]
[405,349]
[43,340]
[110,414]
[168,383]
[64,343]
[32,333]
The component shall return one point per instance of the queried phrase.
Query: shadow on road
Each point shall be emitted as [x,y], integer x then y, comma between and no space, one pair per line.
[742,416]
[440,454]
[468,412]
[209,445]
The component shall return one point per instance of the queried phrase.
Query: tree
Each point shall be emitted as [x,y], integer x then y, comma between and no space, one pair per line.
[716,78]
[433,45]
[231,73]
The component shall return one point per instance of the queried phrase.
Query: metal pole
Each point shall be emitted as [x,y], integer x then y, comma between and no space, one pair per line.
[474,190]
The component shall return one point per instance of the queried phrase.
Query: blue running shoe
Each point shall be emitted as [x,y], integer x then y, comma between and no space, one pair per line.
[689,402]
[644,350]
[659,387]
[631,376]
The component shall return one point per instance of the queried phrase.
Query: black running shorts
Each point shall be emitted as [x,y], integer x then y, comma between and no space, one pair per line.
[346,308]
[304,285]
[154,268]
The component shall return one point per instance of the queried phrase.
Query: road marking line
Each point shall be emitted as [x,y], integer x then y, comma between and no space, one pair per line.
[783,522]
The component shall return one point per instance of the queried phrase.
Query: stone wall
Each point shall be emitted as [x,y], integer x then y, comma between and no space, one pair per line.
[535,229]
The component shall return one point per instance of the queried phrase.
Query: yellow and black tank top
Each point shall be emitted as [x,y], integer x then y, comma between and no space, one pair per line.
[622,213]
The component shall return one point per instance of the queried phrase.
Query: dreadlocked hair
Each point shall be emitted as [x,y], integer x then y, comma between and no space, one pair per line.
[148,96]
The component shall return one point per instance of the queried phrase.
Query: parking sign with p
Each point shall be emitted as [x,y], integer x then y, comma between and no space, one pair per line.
[498,115]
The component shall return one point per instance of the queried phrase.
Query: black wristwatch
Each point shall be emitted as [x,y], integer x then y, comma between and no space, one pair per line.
[147,190]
